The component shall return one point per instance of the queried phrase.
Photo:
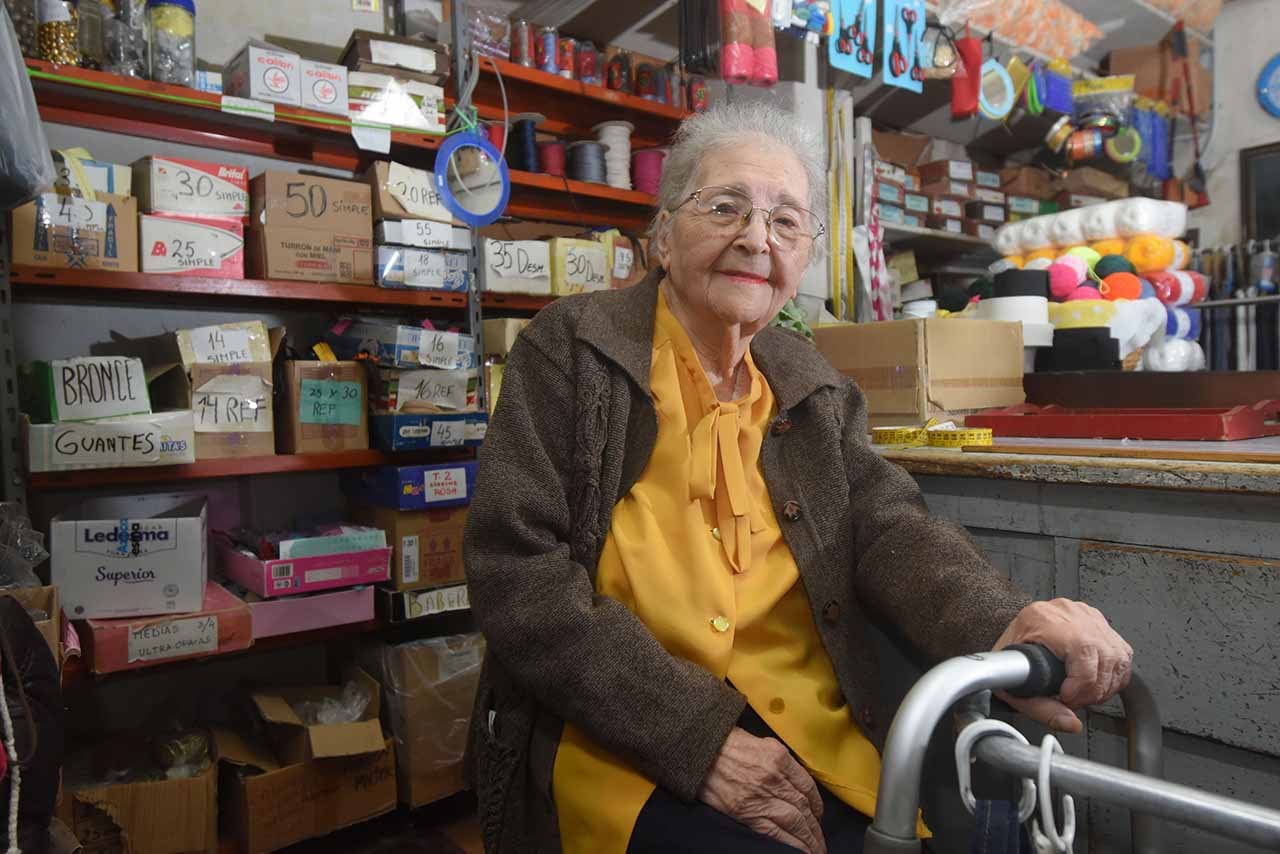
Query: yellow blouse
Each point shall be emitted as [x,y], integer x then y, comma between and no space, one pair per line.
[695,552]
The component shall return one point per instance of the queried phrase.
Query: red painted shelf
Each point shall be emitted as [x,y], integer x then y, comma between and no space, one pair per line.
[33,280]
[538,196]
[234,467]
[515,302]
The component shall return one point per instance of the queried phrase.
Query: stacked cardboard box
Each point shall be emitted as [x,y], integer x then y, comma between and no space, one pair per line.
[193,216]
[311,229]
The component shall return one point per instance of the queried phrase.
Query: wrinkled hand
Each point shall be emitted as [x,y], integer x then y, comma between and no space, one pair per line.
[757,782]
[1098,660]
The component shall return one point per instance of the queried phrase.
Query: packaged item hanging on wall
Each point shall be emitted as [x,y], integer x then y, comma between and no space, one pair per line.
[904,22]
[967,82]
[25,165]
[853,46]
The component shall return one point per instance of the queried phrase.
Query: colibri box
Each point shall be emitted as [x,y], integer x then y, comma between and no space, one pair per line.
[130,557]
[265,73]
[324,87]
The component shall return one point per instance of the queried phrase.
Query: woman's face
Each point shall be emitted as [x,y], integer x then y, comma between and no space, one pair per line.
[738,276]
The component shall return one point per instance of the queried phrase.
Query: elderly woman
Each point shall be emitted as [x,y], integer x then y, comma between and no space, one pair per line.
[679,537]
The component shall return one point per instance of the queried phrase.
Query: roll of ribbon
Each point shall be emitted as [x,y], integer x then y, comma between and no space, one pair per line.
[1058,135]
[1026,309]
[1125,146]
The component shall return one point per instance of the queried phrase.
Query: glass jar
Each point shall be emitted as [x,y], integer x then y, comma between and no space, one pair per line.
[92,48]
[173,41]
[125,38]
[58,32]
[26,22]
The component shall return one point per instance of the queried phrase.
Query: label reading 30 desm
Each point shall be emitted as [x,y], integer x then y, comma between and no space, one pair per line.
[585,269]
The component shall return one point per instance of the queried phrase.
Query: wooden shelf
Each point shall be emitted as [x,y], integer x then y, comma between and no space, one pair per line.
[929,242]
[572,108]
[515,302]
[234,467]
[41,281]
[109,102]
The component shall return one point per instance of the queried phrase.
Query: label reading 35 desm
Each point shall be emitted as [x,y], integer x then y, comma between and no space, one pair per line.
[173,245]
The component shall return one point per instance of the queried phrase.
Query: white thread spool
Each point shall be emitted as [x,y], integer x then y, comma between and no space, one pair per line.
[616,136]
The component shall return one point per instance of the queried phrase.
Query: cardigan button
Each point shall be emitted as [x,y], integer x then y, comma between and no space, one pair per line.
[781,424]
[831,612]
[791,511]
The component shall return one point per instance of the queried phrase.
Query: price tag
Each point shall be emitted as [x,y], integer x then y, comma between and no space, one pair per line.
[232,404]
[447,434]
[173,639]
[409,559]
[330,402]
[475,431]
[445,485]
[623,258]
[440,349]
[445,389]
[370,136]
[415,190]
[74,212]
[249,107]
[221,345]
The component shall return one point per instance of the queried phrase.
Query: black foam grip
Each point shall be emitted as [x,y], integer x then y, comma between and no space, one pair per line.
[1047,672]
[1022,283]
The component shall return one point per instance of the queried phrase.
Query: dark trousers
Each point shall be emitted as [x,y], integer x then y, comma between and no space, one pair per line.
[668,825]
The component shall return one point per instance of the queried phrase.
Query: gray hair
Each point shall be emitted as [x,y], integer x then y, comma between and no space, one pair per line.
[726,124]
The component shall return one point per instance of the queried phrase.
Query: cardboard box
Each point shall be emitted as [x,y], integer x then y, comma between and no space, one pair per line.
[410,104]
[325,408]
[402,606]
[428,390]
[945,207]
[1026,181]
[500,334]
[1024,205]
[983,212]
[324,87]
[948,189]
[221,625]
[312,229]
[411,59]
[78,174]
[403,192]
[159,439]
[426,269]
[70,233]
[427,544]
[430,688]
[917,203]
[977,228]
[986,179]
[628,260]
[274,577]
[192,246]
[914,370]
[422,234]
[1067,200]
[413,487]
[914,220]
[290,615]
[130,557]
[903,149]
[411,432]
[232,405]
[945,170]
[945,223]
[43,599]
[295,740]
[889,192]
[163,817]
[396,346]
[83,389]
[890,214]
[578,266]
[991,197]
[169,185]
[226,343]
[265,73]
[516,267]
[1088,181]
[889,171]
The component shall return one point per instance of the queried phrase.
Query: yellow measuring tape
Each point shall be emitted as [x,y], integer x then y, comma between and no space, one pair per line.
[960,438]
[914,436]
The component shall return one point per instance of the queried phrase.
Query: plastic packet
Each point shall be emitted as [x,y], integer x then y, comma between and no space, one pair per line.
[345,709]
[490,31]
[25,21]
[26,168]
[183,754]
[124,37]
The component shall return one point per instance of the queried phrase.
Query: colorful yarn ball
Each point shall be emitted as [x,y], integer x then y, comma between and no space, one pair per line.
[1013,262]
[1150,253]
[1086,254]
[1038,264]
[1063,279]
[1114,246]
[1121,286]
[1109,264]
[1166,286]
[1084,292]
[1076,263]
[983,288]
[1148,292]
[1201,286]
[1048,254]
[1181,255]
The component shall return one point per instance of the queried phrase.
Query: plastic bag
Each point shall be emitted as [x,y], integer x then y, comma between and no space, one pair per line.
[490,31]
[1047,26]
[345,709]
[25,21]
[26,169]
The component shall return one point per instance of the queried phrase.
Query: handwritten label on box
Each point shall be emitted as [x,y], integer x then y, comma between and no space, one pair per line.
[415,190]
[447,434]
[221,345]
[330,402]
[233,404]
[440,349]
[445,389]
[444,485]
[99,387]
[173,639]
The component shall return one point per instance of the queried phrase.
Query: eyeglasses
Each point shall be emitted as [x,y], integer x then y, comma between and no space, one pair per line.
[730,210]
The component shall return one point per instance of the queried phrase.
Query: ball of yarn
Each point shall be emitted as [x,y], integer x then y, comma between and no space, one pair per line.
[1013,262]
[1150,253]
[1114,246]
[1063,279]
[1201,286]
[1086,254]
[1181,255]
[1148,292]
[983,288]
[1167,287]
[1048,254]
[1038,264]
[953,297]
[1109,264]
[1120,286]
[1076,263]
[1084,292]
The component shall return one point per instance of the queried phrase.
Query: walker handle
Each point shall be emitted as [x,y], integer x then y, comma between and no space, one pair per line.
[1047,672]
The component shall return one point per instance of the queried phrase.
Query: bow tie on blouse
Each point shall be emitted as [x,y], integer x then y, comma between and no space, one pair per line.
[714,444]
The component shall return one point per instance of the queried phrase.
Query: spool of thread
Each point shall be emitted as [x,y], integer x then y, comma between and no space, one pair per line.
[648,169]
[1187,287]
[1200,286]
[1149,253]
[586,161]
[551,157]
[1148,292]
[522,148]
[616,137]
[1181,255]
[1168,289]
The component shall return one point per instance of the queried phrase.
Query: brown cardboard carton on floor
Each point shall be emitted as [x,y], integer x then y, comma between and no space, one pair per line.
[430,687]
[297,741]
[914,370]
[310,229]
[71,233]
[162,817]
[324,408]
[427,544]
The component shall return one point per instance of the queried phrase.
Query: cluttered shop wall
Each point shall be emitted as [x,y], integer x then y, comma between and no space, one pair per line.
[1240,122]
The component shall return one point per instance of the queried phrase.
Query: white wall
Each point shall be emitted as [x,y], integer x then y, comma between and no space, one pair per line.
[1244,41]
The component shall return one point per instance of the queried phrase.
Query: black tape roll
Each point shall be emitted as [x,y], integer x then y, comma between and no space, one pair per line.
[1022,283]
[1091,349]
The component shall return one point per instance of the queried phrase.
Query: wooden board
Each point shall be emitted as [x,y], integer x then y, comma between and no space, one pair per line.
[1244,451]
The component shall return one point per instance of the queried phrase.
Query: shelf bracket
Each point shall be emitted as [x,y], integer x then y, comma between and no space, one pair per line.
[13,485]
